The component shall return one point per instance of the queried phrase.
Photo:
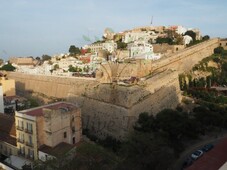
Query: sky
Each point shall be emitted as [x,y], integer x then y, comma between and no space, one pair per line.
[37,27]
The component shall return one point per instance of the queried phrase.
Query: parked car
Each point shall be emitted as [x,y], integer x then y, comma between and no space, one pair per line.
[196,154]
[207,147]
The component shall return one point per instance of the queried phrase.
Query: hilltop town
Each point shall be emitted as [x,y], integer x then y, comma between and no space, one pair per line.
[60,111]
[149,43]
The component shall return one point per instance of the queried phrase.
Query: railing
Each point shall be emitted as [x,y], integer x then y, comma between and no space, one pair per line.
[29,144]
[29,131]
[28,156]
[20,128]
[20,140]
[21,153]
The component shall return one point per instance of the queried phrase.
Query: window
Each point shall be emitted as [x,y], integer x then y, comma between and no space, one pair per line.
[29,127]
[20,124]
[65,134]
[30,139]
[30,153]
[21,137]
[73,140]
[73,129]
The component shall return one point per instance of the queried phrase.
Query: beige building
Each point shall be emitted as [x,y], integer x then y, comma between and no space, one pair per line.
[23,61]
[166,48]
[8,86]
[47,126]
[110,46]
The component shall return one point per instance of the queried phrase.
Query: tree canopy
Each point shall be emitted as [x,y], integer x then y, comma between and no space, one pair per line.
[46,57]
[74,50]
[218,50]
[8,67]
[167,40]
[191,34]
[121,45]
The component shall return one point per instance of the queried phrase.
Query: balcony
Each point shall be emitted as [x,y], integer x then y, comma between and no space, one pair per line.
[31,157]
[20,140]
[20,153]
[30,131]
[29,144]
[21,128]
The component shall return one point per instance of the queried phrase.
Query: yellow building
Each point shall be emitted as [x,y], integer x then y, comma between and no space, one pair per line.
[49,125]
[8,86]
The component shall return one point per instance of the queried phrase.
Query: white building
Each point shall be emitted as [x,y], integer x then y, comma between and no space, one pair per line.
[187,39]
[181,30]
[1,100]
[142,50]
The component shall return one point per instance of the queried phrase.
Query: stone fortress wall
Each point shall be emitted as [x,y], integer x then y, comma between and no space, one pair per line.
[182,61]
[111,109]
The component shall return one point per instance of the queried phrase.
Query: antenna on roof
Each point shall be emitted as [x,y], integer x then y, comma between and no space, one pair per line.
[151,20]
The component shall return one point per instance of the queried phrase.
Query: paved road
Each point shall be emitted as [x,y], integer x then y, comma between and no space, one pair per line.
[213,139]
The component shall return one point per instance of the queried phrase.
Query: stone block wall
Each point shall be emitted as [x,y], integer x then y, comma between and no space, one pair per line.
[111,109]
[51,86]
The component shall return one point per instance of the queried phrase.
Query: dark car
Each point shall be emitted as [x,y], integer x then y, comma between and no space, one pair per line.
[187,163]
[207,147]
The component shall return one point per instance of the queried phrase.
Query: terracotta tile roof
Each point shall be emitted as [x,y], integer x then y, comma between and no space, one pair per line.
[58,151]
[213,159]
[38,111]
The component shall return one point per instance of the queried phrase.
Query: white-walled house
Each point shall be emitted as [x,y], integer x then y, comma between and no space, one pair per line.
[181,30]
[187,39]
[142,50]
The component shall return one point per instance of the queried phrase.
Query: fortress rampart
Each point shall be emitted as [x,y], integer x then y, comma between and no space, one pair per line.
[112,109]
[182,61]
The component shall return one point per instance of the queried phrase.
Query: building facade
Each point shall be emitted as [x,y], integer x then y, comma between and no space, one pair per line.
[142,50]
[48,125]
[110,46]
[8,86]
[135,36]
